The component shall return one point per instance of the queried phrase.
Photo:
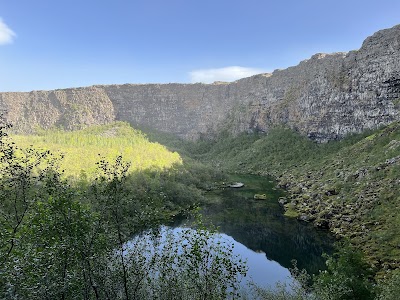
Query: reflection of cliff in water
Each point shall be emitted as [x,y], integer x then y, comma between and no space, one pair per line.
[260,226]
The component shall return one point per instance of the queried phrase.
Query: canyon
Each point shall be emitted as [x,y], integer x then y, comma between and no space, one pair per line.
[325,97]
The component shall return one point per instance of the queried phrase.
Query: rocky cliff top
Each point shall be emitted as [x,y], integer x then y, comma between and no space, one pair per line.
[324,97]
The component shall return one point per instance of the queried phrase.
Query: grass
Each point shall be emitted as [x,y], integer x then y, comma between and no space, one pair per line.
[83,148]
[351,186]
[290,211]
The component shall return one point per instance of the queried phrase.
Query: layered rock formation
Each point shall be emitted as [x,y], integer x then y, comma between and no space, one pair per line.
[324,97]
[329,96]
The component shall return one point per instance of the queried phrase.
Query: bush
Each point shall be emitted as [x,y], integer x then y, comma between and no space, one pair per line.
[348,276]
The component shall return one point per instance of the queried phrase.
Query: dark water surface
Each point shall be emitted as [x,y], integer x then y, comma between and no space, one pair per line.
[258,230]
[262,235]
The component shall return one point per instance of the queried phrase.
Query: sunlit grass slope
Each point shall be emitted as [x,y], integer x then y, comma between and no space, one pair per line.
[83,148]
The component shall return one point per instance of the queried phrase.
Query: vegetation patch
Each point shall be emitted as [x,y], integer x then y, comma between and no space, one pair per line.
[64,235]
[350,186]
[63,239]
[81,149]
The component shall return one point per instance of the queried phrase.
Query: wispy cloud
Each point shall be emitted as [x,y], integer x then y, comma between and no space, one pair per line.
[6,34]
[223,74]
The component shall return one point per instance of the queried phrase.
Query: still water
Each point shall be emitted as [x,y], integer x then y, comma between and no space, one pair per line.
[262,235]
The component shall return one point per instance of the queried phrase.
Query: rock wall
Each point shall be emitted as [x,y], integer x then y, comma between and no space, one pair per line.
[324,97]
[69,108]
[328,96]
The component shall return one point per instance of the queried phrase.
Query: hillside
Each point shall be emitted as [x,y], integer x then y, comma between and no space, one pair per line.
[350,187]
[324,98]
[81,149]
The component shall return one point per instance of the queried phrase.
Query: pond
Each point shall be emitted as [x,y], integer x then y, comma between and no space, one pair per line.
[257,229]
[262,234]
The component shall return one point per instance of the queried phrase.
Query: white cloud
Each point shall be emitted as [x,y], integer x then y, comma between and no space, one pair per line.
[6,34]
[223,74]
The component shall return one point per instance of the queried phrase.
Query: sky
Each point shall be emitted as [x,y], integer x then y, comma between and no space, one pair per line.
[50,44]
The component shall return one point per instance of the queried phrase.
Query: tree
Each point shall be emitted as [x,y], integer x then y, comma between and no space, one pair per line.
[348,276]
[46,232]
[60,241]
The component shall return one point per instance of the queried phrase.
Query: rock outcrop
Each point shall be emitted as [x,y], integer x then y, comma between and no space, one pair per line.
[325,97]
[69,108]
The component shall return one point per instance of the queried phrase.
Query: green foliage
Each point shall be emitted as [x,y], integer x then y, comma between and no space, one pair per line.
[209,269]
[169,264]
[63,241]
[70,241]
[349,185]
[390,289]
[192,265]
[55,245]
[82,147]
[46,231]
[348,276]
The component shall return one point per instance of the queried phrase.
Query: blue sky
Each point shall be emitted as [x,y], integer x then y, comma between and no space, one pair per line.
[48,44]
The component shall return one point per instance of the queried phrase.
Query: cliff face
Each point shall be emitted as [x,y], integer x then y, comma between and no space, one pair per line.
[329,96]
[324,97]
[68,108]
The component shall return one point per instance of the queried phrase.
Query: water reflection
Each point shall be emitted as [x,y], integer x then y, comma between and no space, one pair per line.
[260,226]
[262,271]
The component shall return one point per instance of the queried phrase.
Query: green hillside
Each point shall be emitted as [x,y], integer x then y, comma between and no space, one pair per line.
[81,149]
[349,186]
[63,238]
